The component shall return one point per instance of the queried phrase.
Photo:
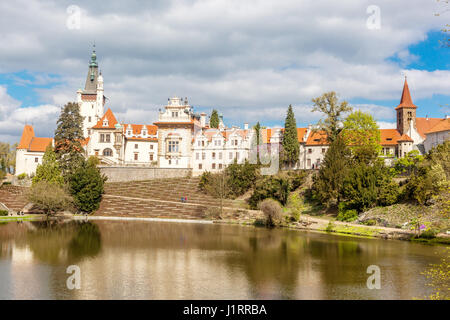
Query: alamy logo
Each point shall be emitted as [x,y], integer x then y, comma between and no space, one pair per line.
[374,20]
[74,281]
[374,281]
[269,154]
[73,21]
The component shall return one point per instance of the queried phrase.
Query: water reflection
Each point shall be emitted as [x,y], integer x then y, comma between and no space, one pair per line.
[148,260]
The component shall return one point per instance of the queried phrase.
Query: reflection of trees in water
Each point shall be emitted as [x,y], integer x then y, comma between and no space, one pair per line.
[86,241]
[58,242]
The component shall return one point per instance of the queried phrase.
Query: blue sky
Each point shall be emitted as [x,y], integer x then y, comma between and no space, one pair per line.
[248,59]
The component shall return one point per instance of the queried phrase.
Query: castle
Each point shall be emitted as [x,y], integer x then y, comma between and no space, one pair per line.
[182,138]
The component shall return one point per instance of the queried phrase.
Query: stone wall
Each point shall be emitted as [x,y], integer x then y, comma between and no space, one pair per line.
[128,173]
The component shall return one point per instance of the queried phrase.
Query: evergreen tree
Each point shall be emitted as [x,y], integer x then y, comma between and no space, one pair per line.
[68,137]
[214,120]
[256,141]
[328,184]
[333,110]
[87,186]
[291,148]
[49,169]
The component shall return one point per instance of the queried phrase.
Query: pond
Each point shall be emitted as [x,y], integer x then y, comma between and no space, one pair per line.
[166,260]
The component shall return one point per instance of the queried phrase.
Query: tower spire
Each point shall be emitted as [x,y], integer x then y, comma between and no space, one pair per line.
[406,100]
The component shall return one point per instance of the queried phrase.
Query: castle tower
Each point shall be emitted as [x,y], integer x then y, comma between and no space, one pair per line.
[91,99]
[406,112]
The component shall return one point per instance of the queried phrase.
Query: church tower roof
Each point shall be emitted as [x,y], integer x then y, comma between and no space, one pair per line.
[91,79]
[406,101]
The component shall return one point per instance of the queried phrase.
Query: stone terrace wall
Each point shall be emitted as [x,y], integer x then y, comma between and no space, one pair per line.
[127,173]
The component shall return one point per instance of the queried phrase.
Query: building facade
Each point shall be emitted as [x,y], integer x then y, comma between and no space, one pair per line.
[181,138]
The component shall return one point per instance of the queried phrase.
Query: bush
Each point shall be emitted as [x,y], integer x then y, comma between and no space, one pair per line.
[347,215]
[272,211]
[428,234]
[388,194]
[213,213]
[3,213]
[48,197]
[277,187]
[2,174]
[22,176]
[295,206]
[87,187]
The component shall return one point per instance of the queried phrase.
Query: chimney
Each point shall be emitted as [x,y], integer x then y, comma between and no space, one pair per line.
[203,119]
[245,126]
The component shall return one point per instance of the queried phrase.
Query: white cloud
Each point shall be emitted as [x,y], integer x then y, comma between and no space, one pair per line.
[249,59]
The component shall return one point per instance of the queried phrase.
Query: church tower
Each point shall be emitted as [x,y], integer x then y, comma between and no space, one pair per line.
[91,99]
[406,112]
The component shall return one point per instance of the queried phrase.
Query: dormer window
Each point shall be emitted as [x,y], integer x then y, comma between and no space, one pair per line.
[105,122]
[389,139]
[129,133]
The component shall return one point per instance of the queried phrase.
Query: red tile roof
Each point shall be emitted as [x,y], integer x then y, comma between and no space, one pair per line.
[405,137]
[137,128]
[424,125]
[32,143]
[443,125]
[389,136]
[27,135]
[267,134]
[406,101]
[39,144]
[316,138]
[111,121]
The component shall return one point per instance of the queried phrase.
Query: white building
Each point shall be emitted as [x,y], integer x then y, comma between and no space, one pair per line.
[30,151]
[183,139]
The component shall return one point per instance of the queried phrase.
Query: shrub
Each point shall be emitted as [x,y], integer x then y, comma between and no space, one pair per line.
[48,197]
[22,176]
[277,187]
[329,227]
[49,169]
[348,215]
[428,234]
[2,174]
[87,187]
[3,213]
[213,213]
[272,211]
[388,194]
[295,205]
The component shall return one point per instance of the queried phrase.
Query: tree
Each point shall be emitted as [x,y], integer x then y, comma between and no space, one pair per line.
[446,28]
[409,163]
[359,188]
[218,187]
[214,120]
[8,156]
[272,211]
[49,197]
[87,187]
[437,276]
[49,170]
[68,137]
[291,147]
[257,140]
[327,185]
[333,110]
[361,133]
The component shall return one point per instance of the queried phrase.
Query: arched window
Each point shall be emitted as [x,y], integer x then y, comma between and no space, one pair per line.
[107,152]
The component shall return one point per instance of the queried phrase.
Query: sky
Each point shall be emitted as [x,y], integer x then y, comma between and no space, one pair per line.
[248,59]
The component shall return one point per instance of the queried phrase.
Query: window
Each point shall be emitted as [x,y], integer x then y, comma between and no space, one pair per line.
[308,163]
[129,132]
[89,119]
[107,152]
[105,123]
[230,156]
[36,160]
[136,146]
[170,161]
[174,114]
[102,137]
[203,143]
[200,166]
[214,166]
[203,156]
[220,155]
[220,166]
[136,156]
[173,146]
[105,137]
[151,156]
[323,150]
[108,137]
[151,147]
[214,156]
[199,143]
[197,156]
[309,150]
[237,155]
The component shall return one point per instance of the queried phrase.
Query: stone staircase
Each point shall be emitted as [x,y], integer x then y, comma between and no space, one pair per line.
[13,197]
[159,198]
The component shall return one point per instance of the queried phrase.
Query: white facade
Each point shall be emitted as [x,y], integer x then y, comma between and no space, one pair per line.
[27,161]
[435,138]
